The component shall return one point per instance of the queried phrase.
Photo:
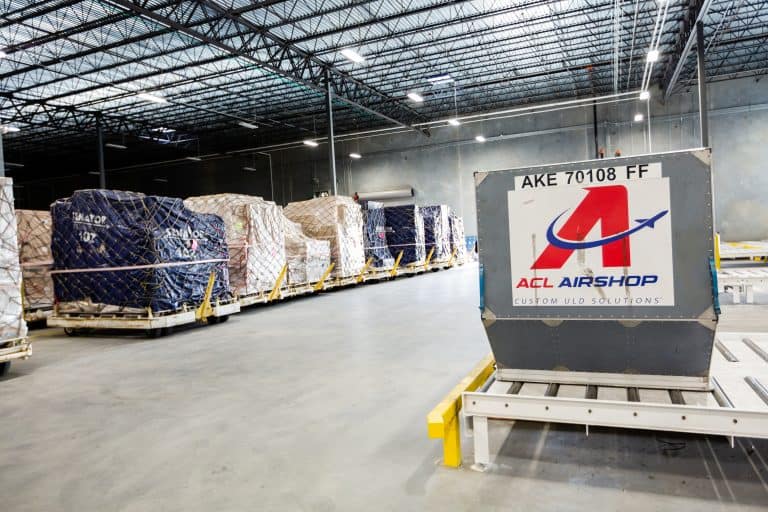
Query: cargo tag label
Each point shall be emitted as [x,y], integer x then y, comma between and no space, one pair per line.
[594,245]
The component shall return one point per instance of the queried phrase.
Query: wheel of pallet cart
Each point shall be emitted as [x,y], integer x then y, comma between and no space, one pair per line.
[223,319]
[154,333]
[4,367]
[72,331]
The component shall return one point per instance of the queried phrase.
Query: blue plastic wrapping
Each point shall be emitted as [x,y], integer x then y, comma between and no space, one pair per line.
[375,235]
[405,232]
[161,254]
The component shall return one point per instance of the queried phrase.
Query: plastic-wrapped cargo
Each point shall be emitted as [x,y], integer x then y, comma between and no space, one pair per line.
[458,243]
[34,239]
[437,233]
[405,232]
[375,235]
[12,323]
[255,236]
[338,220]
[119,251]
[308,258]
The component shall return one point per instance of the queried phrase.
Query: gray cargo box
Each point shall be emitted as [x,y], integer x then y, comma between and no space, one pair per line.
[600,272]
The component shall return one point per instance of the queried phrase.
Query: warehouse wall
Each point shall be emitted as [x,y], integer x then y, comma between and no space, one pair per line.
[440,168]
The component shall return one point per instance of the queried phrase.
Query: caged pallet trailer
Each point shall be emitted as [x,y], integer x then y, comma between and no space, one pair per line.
[153,323]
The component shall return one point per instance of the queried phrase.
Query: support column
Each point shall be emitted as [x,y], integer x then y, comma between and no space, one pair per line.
[702,76]
[2,156]
[331,146]
[594,128]
[100,142]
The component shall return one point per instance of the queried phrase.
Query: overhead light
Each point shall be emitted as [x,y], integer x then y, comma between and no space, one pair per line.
[352,55]
[247,125]
[310,143]
[249,168]
[193,158]
[114,146]
[3,54]
[480,138]
[645,95]
[454,122]
[638,117]
[13,164]
[9,129]
[653,56]
[94,173]
[440,79]
[415,97]
[163,129]
[152,98]
[356,156]
[161,180]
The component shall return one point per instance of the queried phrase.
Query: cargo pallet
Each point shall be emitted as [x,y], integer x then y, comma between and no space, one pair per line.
[37,314]
[738,280]
[735,406]
[13,348]
[745,251]
[154,323]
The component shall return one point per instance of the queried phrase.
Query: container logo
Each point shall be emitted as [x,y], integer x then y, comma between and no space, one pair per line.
[592,243]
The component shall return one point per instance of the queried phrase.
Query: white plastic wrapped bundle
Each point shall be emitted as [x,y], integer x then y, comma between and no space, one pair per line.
[338,220]
[458,243]
[437,231]
[255,235]
[307,258]
[34,239]
[12,323]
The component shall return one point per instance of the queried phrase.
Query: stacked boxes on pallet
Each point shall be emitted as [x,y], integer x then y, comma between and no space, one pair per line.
[126,252]
[375,236]
[458,243]
[34,237]
[12,323]
[308,258]
[437,232]
[255,236]
[338,220]
[405,232]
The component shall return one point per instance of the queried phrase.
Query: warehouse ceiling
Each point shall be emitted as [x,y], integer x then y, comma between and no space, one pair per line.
[214,75]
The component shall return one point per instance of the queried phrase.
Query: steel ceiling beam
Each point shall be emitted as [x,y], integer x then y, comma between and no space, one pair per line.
[236,35]
[697,10]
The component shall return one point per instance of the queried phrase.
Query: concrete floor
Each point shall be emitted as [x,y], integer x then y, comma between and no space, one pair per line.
[319,404]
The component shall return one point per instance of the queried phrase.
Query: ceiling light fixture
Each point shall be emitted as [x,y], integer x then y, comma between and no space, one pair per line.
[454,122]
[152,98]
[115,146]
[193,158]
[310,143]
[9,129]
[653,56]
[249,168]
[440,79]
[480,138]
[415,97]
[356,156]
[645,95]
[352,55]
[94,173]
[245,124]
[638,117]
[161,180]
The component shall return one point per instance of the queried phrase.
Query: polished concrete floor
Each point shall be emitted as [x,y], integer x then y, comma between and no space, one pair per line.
[319,404]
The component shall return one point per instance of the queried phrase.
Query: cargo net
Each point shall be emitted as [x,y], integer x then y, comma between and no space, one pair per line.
[255,235]
[124,252]
[375,236]
[339,220]
[458,242]
[12,323]
[308,258]
[437,232]
[405,233]
[34,236]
